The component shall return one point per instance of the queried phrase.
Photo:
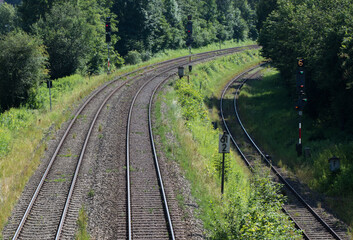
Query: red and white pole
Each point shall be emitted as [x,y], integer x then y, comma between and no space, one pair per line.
[299,144]
[300,133]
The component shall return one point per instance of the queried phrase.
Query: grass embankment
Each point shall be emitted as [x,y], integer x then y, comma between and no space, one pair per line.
[22,131]
[269,114]
[250,208]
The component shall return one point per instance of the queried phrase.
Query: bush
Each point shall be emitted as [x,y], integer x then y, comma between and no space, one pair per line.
[22,66]
[133,57]
[67,36]
[145,56]
[259,217]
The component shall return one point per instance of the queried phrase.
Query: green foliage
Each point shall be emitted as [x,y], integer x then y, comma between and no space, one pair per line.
[256,216]
[5,138]
[82,233]
[22,63]
[133,57]
[320,33]
[66,35]
[157,25]
[190,100]
[32,10]
[334,184]
[277,133]
[248,210]
[263,9]
[8,18]
[11,122]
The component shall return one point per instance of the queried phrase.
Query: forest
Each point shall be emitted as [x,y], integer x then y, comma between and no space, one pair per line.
[321,33]
[56,38]
[42,39]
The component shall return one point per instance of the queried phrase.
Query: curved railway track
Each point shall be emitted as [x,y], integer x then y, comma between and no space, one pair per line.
[46,210]
[299,210]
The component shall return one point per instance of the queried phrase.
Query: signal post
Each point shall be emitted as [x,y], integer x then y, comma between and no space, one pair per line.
[223,147]
[108,38]
[302,100]
[189,39]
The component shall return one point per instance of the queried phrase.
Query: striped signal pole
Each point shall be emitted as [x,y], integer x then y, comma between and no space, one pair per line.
[300,133]
[299,144]
[300,83]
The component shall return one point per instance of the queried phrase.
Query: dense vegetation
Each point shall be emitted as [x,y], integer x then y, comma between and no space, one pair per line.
[251,205]
[320,32]
[71,35]
[265,112]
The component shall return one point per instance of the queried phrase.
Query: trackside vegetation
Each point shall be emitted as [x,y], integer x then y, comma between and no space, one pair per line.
[321,33]
[251,205]
[69,37]
[277,133]
[24,131]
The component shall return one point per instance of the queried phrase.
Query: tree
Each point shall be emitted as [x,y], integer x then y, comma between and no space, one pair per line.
[22,67]
[32,10]
[8,18]
[263,9]
[319,32]
[171,12]
[66,35]
[13,2]
[239,26]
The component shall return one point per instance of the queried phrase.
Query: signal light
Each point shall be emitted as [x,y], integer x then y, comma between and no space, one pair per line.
[108,30]
[189,27]
[107,25]
[188,31]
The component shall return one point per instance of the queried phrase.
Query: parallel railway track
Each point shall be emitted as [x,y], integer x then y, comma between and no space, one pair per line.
[303,215]
[46,207]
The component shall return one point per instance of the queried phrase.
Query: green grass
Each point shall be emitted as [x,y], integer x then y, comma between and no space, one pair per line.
[269,115]
[195,148]
[82,233]
[22,131]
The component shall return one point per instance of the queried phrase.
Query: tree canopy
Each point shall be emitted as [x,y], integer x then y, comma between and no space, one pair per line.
[73,33]
[320,32]
[22,67]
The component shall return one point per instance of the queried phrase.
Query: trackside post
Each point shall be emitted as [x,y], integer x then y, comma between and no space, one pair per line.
[223,147]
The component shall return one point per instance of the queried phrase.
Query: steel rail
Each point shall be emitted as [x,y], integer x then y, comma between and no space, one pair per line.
[35,195]
[331,231]
[237,146]
[284,181]
[161,185]
[83,150]
[128,184]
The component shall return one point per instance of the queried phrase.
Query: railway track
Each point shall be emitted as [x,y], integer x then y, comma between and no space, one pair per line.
[305,217]
[50,204]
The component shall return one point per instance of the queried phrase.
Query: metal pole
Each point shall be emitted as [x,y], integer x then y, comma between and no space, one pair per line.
[222,186]
[189,55]
[50,96]
[108,60]
[299,148]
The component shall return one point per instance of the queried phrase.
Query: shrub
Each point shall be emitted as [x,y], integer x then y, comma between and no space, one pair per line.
[22,64]
[259,217]
[133,57]
[145,56]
